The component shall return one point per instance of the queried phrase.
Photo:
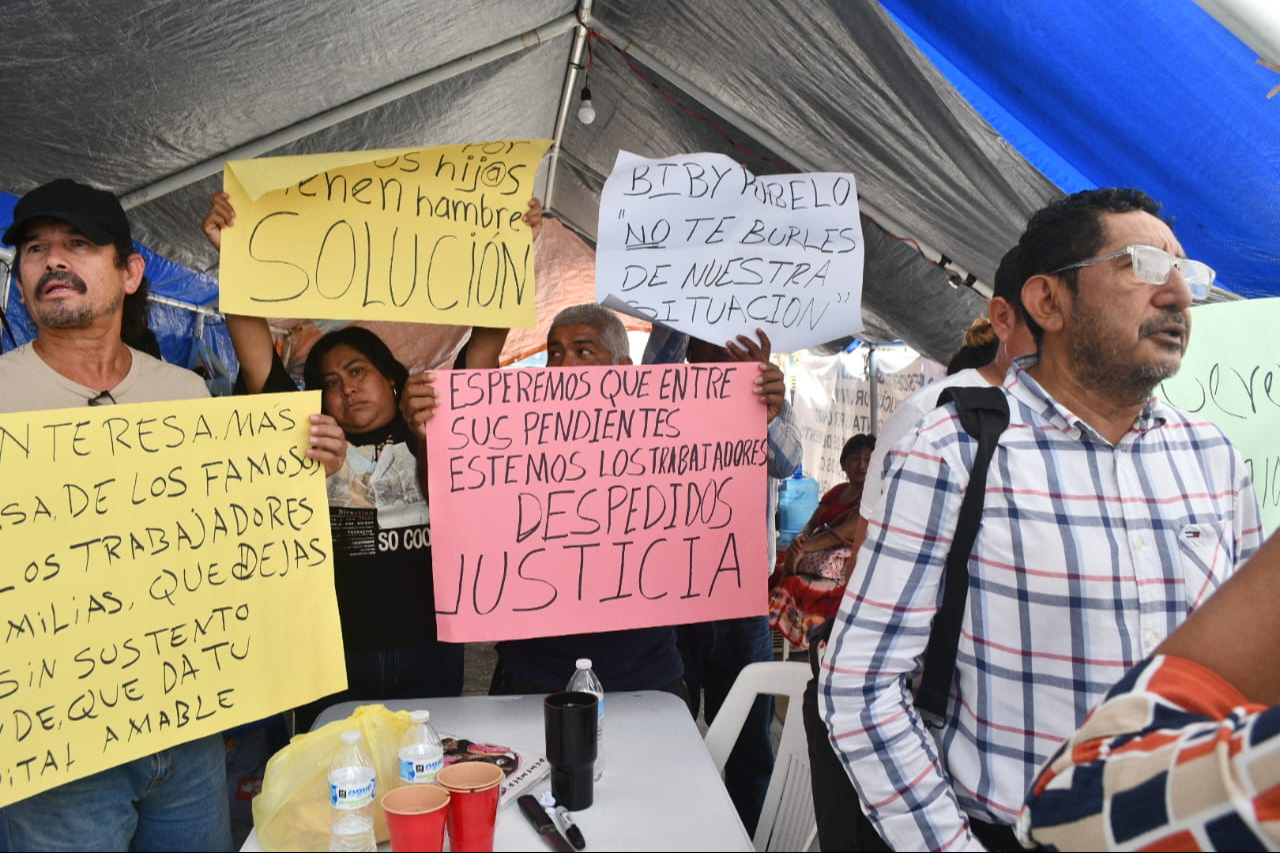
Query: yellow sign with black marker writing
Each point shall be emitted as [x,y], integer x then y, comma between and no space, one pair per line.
[166,574]
[427,235]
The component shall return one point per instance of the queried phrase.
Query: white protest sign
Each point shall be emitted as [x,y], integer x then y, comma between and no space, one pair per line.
[699,243]
[832,401]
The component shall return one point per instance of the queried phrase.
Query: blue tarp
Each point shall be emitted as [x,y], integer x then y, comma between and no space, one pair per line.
[1153,94]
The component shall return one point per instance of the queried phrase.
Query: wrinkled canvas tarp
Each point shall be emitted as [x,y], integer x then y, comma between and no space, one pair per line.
[126,95]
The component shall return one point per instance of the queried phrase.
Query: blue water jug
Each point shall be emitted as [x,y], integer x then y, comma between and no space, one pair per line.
[797,500]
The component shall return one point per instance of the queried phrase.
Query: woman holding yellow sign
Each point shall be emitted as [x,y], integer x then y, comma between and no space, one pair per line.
[377,498]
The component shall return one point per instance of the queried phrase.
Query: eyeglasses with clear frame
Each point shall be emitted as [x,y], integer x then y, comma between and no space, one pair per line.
[1154,266]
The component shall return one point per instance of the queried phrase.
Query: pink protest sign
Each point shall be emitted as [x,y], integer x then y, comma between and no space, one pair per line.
[568,500]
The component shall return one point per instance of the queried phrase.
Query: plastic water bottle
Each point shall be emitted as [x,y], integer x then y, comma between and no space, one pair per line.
[421,752]
[797,499]
[584,679]
[352,791]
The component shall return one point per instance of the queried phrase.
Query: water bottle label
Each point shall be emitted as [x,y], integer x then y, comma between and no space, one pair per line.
[417,770]
[352,794]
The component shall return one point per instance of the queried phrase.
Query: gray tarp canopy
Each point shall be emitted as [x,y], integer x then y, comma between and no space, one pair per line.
[147,99]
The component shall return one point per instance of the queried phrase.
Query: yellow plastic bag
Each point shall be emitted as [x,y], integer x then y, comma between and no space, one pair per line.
[292,812]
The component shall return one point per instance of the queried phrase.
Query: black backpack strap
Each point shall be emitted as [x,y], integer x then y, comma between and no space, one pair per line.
[984,414]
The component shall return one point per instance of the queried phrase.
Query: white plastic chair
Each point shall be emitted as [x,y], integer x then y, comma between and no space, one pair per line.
[787,820]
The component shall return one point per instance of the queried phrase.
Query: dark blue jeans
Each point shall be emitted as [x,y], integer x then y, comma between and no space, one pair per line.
[175,799]
[714,653]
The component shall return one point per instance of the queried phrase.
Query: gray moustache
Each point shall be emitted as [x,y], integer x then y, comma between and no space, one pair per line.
[1155,327]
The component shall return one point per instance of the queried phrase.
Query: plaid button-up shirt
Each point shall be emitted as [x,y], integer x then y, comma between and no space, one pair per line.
[1088,556]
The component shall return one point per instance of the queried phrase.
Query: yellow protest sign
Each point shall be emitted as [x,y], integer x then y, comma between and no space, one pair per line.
[427,235]
[166,574]
[1230,376]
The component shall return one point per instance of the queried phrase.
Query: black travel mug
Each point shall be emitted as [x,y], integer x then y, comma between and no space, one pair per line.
[571,720]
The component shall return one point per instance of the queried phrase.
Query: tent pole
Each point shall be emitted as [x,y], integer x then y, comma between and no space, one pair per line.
[779,147]
[566,98]
[358,106]
[6,264]
[201,310]
[873,376]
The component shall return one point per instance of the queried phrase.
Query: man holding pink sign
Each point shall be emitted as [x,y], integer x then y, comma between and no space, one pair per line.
[630,498]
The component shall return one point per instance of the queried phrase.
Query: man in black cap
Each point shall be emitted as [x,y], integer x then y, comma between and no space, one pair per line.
[82,282]
[76,267]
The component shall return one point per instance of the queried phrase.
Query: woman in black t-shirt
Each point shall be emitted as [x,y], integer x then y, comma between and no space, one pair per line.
[377,494]
[377,498]
[381,528]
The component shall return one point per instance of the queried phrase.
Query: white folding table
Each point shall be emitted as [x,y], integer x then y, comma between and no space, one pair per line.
[660,790]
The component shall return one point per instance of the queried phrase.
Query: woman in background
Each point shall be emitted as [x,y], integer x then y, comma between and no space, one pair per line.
[818,559]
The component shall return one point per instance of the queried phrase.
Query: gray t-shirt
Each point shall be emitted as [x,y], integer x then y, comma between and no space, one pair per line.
[28,384]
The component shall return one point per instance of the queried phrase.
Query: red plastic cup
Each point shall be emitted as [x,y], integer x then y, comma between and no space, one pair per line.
[473,805]
[416,817]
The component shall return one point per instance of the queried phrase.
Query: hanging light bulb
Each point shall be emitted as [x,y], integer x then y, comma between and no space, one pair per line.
[586,112]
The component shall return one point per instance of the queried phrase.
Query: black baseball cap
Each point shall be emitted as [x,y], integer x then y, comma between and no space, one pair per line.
[95,213]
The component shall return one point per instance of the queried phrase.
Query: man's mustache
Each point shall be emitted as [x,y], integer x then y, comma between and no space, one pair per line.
[1160,324]
[63,277]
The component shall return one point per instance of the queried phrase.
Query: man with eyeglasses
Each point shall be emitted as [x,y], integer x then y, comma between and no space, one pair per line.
[76,268]
[1109,516]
